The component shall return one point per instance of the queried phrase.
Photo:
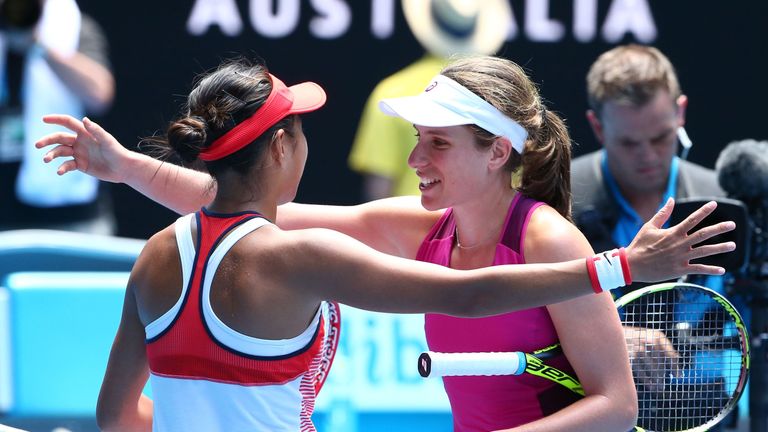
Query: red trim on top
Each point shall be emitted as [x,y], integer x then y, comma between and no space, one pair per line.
[186,350]
[330,345]
[592,271]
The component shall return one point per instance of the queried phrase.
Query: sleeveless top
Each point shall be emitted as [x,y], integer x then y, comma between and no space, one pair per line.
[206,376]
[485,403]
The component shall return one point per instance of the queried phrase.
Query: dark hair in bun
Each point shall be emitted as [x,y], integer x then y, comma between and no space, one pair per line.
[219,101]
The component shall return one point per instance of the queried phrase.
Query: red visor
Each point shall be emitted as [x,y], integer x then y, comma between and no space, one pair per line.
[282,102]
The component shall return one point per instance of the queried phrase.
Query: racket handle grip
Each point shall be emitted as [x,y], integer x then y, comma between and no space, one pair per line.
[460,364]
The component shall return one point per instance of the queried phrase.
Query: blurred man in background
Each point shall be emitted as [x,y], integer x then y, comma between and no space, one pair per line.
[637,113]
[52,59]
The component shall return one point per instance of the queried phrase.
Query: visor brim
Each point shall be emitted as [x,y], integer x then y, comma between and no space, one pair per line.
[307,97]
[422,111]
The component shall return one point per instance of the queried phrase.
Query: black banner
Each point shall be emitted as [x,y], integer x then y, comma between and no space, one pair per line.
[157,48]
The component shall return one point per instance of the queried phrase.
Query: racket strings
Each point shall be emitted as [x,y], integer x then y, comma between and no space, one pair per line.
[685,356]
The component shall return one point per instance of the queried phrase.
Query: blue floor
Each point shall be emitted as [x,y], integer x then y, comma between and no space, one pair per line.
[368,422]
[385,422]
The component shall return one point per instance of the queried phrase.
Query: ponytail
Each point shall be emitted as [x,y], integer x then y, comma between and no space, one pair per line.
[546,164]
[546,158]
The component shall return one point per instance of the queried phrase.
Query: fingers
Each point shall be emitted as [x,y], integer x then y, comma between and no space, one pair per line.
[648,373]
[705,269]
[94,129]
[63,138]
[707,250]
[711,231]
[660,218]
[672,365]
[696,217]
[66,167]
[68,122]
[57,152]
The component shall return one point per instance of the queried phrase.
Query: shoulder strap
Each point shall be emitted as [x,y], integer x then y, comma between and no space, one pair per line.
[187,255]
[516,221]
[444,227]
[186,245]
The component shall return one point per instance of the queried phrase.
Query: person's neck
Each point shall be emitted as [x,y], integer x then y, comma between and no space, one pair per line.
[236,193]
[227,206]
[479,223]
[644,203]
[239,199]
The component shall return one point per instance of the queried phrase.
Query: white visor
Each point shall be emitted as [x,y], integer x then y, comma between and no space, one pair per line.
[447,103]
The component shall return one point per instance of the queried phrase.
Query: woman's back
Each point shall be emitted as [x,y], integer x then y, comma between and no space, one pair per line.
[216,355]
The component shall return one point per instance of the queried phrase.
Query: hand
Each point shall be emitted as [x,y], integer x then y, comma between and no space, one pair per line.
[658,254]
[652,356]
[92,149]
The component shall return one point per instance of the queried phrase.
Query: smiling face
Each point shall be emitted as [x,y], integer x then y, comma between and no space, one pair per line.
[640,141]
[452,169]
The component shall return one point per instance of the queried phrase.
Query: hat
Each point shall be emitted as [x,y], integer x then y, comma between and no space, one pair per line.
[281,102]
[447,103]
[446,27]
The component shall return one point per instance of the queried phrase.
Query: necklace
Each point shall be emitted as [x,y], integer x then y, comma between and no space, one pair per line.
[474,246]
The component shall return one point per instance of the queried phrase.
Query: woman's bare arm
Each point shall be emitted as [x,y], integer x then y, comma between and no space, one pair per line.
[394,226]
[121,405]
[334,266]
[96,152]
[389,226]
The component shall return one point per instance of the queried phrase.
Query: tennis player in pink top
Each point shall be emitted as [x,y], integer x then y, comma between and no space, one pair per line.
[494,169]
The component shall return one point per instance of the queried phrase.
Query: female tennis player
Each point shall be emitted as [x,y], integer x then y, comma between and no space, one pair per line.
[478,123]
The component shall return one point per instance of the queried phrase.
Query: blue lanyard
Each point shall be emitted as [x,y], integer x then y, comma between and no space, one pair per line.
[629,221]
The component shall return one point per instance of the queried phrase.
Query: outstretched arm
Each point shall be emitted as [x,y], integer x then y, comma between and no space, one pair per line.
[96,152]
[334,265]
[392,226]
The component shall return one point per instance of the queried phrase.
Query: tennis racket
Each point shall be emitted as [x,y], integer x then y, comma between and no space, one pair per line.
[689,354]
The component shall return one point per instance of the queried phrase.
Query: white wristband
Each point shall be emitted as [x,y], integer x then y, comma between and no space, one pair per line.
[609,270]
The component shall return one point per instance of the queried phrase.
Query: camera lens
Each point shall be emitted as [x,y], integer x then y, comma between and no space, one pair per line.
[19,14]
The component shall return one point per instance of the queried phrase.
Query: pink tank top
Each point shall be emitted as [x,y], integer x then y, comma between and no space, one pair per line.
[490,403]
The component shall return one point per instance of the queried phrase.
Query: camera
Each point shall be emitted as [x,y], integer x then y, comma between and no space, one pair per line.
[757,268]
[742,170]
[728,209]
[20,15]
